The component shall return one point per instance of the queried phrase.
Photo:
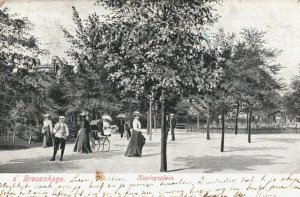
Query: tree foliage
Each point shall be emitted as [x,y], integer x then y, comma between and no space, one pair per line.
[18,48]
[160,44]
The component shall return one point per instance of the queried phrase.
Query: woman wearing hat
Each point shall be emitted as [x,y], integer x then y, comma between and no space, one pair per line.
[106,125]
[47,132]
[82,143]
[137,140]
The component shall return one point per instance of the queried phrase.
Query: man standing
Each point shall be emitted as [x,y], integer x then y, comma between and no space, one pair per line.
[121,127]
[61,132]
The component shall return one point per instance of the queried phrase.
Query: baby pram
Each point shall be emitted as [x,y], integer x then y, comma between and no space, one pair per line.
[99,141]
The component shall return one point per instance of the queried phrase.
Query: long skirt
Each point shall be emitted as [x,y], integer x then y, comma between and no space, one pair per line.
[82,143]
[135,146]
[47,139]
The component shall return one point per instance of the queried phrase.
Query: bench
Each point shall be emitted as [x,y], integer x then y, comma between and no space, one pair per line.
[180,126]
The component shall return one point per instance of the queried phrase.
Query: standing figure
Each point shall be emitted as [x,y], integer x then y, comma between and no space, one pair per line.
[121,127]
[137,140]
[106,125]
[82,143]
[127,130]
[47,132]
[61,132]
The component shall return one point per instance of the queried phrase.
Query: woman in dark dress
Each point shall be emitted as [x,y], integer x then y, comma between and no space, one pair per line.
[82,143]
[137,140]
[47,132]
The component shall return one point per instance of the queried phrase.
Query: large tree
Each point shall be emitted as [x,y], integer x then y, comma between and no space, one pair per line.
[158,48]
[18,48]
[291,99]
[258,79]
[90,85]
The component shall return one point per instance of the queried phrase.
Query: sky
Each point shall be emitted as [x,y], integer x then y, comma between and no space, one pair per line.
[279,18]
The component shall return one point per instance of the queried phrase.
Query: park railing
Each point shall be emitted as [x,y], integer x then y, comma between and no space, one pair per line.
[256,128]
[11,138]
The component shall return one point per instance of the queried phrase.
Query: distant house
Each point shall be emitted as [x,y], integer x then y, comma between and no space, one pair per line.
[55,67]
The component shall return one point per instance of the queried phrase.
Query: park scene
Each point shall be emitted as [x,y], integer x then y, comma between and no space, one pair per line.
[179,86]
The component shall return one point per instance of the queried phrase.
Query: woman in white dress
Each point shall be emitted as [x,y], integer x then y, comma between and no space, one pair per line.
[137,140]
[106,125]
[47,130]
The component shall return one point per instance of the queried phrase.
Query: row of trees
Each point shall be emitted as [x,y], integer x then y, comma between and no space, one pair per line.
[250,79]
[146,50]
[158,49]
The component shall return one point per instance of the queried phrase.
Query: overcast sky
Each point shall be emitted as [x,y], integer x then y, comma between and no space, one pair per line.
[280,18]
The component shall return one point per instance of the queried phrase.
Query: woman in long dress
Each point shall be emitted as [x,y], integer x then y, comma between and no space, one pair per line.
[47,132]
[82,143]
[137,139]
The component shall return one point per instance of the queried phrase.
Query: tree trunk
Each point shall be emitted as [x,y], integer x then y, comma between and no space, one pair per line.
[237,117]
[148,122]
[247,122]
[223,131]
[207,123]
[163,164]
[30,137]
[150,106]
[93,114]
[198,121]
[249,127]
[14,138]
[75,132]
[268,121]
[3,124]
[187,124]
[155,121]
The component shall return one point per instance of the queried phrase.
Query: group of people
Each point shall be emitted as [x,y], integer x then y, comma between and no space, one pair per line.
[57,136]
[124,128]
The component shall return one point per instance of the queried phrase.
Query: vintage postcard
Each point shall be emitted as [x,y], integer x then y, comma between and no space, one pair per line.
[150,98]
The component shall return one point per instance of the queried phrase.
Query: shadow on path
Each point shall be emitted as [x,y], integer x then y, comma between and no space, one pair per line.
[150,155]
[42,164]
[283,140]
[176,170]
[13,147]
[239,149]
[212,164]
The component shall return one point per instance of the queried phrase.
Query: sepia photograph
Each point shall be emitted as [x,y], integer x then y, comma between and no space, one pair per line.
[150,86]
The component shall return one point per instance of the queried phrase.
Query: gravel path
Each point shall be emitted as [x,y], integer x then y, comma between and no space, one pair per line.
[190,153]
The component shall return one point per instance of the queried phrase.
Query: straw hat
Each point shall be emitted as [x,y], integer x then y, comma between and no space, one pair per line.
[136,113]
[61,117]
[84,113]
[46,115]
